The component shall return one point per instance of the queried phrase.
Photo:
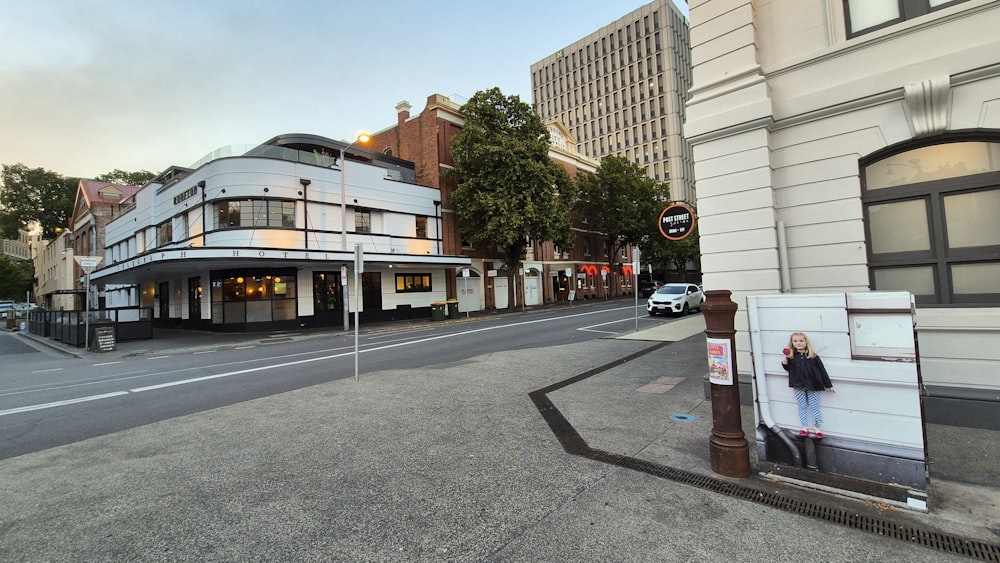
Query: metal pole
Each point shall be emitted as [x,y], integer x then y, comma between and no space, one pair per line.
[343,199]
[465,282]
[357,305]
[86,299]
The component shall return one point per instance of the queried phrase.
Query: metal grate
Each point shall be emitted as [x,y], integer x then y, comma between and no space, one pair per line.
[574,444]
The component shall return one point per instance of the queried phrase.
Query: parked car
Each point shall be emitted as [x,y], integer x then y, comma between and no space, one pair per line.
[675,299]
[647,285]
[5,308]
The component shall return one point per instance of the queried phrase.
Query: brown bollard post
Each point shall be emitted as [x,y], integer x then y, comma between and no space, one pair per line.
[728,449]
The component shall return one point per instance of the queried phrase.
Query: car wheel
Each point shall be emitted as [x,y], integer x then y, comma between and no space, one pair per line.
[652,313]
[685,310]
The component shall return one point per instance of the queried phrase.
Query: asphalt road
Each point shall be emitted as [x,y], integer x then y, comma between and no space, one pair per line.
[48,401]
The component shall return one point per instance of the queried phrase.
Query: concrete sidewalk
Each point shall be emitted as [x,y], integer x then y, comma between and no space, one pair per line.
[456,463]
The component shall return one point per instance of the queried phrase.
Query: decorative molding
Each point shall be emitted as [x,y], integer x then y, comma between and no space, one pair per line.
[928,106]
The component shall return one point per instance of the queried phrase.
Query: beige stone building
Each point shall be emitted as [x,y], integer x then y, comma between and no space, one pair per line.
[853,145]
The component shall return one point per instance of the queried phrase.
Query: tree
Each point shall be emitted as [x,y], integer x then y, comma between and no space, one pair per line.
[620,203]
[34,194]
[15,278]
[657,249]
[509,191]
[125,178]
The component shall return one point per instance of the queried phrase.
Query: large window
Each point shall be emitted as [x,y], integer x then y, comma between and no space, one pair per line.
[164,233]
[932,219]
[864,16]
[413,283]
[251,297]
[256,213]
[362,221]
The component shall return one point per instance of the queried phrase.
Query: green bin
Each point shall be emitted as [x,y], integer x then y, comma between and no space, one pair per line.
[452,308]
[437,311]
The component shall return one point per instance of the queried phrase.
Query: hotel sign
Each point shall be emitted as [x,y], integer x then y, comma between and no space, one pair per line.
[677,221]
[190,192]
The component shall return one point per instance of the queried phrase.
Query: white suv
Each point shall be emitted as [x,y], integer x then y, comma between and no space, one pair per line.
[676,299]
[5,308]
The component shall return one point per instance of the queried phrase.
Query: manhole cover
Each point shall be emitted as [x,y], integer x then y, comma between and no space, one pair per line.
[682,418]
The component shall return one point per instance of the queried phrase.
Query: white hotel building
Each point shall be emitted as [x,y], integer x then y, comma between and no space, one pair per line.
[258,241]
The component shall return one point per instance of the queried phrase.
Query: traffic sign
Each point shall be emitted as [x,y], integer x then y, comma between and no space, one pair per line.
[88,262]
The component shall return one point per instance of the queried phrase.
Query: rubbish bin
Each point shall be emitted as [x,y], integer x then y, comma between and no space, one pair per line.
[452,308]
[437,311]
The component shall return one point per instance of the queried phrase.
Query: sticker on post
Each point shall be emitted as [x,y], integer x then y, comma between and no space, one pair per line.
[719,369]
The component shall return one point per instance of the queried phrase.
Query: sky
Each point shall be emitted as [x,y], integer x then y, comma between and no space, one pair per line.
[89,86]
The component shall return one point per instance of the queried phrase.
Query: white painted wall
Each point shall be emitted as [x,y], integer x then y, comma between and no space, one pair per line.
[783,107]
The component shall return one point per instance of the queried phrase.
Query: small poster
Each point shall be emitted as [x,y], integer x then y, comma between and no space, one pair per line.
[719,371]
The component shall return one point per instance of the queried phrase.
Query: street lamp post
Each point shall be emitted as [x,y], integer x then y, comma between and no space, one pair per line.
[362,138]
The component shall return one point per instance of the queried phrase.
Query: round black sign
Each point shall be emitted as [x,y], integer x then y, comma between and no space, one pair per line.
[677,221]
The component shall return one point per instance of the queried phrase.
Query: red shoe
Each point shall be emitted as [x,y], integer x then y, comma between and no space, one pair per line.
[803,432]
[819,434]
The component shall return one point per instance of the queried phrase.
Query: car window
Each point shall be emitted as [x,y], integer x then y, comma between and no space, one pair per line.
[671,290]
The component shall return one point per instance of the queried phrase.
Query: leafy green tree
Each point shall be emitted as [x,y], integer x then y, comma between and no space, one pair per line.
[620,203]
[509,191]
[34,194]
[125,178]
[15,278]
[658,250]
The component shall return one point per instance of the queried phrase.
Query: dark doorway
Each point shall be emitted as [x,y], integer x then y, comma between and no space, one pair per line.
[163,293]
[371,295]
[194,301]
[328,301]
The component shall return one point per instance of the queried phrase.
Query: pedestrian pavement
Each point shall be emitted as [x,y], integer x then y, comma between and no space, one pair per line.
[592,451]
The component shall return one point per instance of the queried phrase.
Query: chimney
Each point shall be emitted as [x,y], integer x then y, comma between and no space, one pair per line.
[403,111]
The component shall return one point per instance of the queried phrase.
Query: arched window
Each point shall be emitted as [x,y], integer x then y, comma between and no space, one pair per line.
[932,221]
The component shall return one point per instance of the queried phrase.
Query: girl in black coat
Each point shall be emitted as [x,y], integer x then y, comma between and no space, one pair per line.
[807,377]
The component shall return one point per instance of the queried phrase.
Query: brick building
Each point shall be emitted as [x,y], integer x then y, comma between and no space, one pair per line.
[549,273]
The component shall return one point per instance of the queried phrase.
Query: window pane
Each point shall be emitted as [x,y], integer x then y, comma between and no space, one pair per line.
[869,13]
[975,278]
[288,214]
[260,214]
[917,280]
[950,160]
[973,219]
[899,227]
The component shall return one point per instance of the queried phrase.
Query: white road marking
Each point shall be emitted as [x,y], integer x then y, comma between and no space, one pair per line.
[107,364]
[297,362]
[30,408]
[47,370]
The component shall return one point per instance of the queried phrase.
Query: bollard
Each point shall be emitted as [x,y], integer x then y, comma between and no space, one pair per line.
[728,449]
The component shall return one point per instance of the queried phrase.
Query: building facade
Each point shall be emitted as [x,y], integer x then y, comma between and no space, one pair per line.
[266,239]
[621,91]
[97,204]
[854,145]
[55,273]
[549,274]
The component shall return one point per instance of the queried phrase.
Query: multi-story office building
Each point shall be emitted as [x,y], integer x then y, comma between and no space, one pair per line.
[621,91]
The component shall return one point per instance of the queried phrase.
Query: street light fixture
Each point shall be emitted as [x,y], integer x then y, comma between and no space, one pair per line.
[361,138]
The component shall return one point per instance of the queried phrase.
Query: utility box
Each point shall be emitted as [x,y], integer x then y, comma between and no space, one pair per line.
[873,423]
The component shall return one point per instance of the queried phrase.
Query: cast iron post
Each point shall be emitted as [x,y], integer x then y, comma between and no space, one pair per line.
[728,449]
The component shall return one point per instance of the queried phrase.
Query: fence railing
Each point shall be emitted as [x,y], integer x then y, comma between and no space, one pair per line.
[69,327]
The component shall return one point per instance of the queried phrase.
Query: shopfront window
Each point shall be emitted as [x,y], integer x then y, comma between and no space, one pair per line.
[252,297]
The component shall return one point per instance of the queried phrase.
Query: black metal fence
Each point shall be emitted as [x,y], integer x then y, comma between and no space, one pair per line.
[69,327]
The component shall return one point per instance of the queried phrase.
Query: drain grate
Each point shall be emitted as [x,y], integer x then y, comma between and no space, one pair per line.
[574,444]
